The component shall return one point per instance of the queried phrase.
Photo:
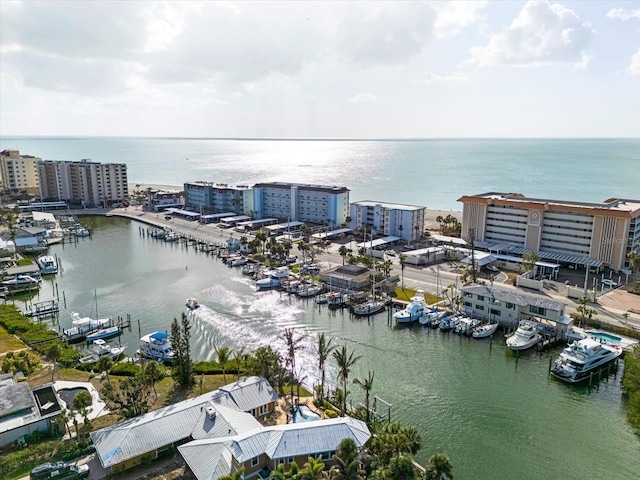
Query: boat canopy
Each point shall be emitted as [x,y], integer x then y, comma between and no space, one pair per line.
[159,335]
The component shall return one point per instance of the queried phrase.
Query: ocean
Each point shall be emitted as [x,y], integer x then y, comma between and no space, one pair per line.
[432,173]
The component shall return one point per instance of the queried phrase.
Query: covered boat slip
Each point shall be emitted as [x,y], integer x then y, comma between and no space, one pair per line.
[183,213]
[379,243]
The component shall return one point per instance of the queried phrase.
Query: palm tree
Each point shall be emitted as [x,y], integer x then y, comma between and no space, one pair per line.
[223,354]
[403,262]
[324,350]
[151,373]
[104,365]
[439,467]
[634,261]
[293,345]
[261,236]
[347,466]
[343,251]
[54,352]
[345,362]
[366,385]
[239,357]
[312,470]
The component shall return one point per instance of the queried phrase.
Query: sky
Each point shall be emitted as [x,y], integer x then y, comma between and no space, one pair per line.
[320,69]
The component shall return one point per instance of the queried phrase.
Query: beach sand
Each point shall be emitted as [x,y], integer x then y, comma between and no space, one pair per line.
[429,223]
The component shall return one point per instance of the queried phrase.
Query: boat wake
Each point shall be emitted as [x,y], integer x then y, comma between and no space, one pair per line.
[251,322]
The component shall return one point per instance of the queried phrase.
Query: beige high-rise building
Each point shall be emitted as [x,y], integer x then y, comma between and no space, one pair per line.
[84,182]
[569,233]
[19,173]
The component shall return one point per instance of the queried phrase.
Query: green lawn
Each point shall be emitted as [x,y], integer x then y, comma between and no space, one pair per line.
[406,294]
[9,343]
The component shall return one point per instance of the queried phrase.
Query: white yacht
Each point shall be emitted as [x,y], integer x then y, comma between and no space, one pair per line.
[526,336]
[485,330]
[47,264]
[156,346]
[578,360]
[274,279]
[100,348]
[414,311]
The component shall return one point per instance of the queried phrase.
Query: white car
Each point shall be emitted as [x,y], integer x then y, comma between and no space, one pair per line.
[493,268]
[391,253]
[609,283]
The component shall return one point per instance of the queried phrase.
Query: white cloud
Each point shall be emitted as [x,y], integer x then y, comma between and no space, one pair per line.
[622,14]
[454,16]
[542,34]
[385,34]
[431,77]
[363,98]
[273,81]
[634,67]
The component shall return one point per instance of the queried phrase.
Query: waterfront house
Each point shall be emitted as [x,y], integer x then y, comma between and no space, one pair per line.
[225,412]
[24,411]
[260,451]
[508,307]
[158,201]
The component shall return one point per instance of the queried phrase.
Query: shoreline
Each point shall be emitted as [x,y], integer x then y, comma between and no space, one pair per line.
[429,221]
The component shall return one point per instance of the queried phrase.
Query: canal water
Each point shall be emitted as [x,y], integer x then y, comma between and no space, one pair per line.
[496,415]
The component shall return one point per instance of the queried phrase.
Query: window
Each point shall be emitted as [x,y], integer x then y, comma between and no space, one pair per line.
[510,306]
[467,304]
[481,298]
[537,310]
[254,461]
[493,311]
[290,460]
[264,409]
[480,307]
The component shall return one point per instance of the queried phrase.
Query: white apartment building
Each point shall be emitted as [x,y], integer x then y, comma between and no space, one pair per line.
[210,197]
[388,219]
[321,204]
[84,182]
[567,232]
[19,173]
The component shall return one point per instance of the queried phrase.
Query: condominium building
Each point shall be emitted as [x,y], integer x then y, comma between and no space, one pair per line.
[388,219]
[322,204]
[19,173]
[567,232]
[210,197]
[83,182]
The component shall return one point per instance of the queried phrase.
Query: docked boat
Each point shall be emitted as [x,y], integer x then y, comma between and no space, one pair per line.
[100,348]
[104,333]
[82,232]
[22,283]
[192,303]
[47,264]
[414,311]
[432,318]
[447,324]
[76,334]
[370,307]
[156,346]
[577,361]
[335,299]
[309,291]
[274,279]
[486,330]
[526,336]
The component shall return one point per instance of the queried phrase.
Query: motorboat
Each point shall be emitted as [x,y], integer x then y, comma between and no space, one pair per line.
[192,303]
[486,330]
[432,318]
[274,279]
[370,307]
[82,232]
[577,361]
[22,283]
[335,299]
[104,333]
[414,311]
[100,348]
[448,323]
[309,291]
[47,264]
[526,336]
[156,346]
[466,326]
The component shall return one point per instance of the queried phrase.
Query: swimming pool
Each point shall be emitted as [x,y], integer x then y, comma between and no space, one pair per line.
[302,413]
[67,395]
[604,337]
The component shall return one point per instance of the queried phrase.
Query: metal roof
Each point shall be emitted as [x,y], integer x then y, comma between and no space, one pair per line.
[206,458]
[557,257]
[246,394]
[125,440]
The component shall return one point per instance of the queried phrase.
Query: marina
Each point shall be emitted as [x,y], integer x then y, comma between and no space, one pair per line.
[430,378]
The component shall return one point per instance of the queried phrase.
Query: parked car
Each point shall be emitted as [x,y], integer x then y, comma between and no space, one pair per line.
[391,253]
[409,247]
[493,268]
[609,283]
[59,471]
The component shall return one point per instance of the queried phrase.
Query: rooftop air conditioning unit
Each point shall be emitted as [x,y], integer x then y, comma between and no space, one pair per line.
[211,412]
